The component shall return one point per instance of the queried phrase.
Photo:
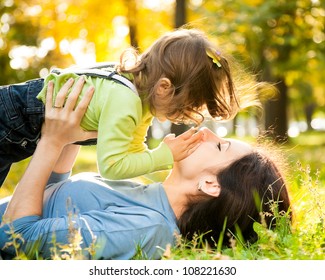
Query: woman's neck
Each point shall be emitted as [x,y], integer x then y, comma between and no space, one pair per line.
[177,193]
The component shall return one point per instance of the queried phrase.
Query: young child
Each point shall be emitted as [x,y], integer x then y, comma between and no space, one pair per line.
[182,77]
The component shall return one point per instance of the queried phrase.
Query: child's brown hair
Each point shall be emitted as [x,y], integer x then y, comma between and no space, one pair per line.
[200,75]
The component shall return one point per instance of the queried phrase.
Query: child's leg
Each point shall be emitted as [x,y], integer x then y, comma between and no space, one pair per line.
[21,115]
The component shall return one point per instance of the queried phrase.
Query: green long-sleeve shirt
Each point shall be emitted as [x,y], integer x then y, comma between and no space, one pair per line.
[122,122]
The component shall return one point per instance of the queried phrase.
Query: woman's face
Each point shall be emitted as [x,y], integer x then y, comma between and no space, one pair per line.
[213,154]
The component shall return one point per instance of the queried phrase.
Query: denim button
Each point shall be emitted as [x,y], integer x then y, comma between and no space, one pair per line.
[24,143]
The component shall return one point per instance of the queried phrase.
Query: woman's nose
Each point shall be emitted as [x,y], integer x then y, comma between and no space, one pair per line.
[208,135]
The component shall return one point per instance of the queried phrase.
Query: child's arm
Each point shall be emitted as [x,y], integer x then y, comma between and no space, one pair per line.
[121,151]
[122,128]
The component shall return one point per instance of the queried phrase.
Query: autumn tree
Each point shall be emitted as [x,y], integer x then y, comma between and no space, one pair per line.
[180,19]
[283,40]
[18,32]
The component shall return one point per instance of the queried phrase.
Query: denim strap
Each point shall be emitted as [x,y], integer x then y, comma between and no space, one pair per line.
[101,70]
[34,105]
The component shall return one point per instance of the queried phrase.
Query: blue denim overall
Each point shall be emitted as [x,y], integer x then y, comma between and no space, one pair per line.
[22,114]
[21,118]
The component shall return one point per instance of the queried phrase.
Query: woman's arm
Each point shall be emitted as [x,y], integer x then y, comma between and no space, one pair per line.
[61,127]
[67,158]
[63,166]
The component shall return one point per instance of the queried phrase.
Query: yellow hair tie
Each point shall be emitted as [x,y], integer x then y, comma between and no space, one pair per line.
[215,56]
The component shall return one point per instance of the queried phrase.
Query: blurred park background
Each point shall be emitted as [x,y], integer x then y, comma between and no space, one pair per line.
[282,42]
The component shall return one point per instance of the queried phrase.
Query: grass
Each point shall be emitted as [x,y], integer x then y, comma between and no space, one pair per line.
[305,240]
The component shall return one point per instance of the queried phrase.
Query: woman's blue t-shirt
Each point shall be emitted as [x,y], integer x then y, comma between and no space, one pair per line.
[115,218]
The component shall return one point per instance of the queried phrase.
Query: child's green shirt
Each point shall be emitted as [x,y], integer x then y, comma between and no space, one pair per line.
[122,121]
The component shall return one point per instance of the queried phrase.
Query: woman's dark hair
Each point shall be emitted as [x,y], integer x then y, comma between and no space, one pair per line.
[250,186]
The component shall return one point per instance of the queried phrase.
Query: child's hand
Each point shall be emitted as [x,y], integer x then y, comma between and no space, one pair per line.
[183,145]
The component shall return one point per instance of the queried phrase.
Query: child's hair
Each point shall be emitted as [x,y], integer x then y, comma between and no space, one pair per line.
[200,75]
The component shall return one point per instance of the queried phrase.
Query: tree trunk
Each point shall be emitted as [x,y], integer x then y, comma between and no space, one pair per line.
[309,110]
[132,22]
[180,13]
[180,20]
[276,119]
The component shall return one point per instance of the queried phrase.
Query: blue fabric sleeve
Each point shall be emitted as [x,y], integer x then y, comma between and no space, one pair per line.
[58,177]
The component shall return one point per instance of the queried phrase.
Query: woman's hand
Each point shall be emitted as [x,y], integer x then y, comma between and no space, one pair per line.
[63,118]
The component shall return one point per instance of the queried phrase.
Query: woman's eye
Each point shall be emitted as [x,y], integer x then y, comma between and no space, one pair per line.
[219,146]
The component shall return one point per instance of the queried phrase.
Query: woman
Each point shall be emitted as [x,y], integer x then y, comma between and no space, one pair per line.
[216,182]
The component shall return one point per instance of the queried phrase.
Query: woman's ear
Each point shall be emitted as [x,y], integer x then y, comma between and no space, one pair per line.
[164,85]
[210,187]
